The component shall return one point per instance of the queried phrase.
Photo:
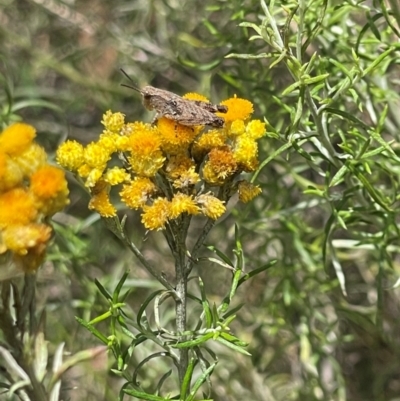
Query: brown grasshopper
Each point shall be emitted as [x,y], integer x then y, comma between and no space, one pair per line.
[183,111]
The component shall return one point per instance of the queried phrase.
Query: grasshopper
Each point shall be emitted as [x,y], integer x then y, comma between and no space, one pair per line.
[174,107]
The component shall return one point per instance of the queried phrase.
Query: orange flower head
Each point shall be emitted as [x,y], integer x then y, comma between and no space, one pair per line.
[175,136]
[145,148]
[16,207]
[16,138]
[49,186]
[221,164]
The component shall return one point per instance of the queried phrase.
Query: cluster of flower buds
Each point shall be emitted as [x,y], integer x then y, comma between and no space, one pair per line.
[168,169]
[31,190]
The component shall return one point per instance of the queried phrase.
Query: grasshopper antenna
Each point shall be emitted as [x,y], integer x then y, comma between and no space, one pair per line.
[130,79]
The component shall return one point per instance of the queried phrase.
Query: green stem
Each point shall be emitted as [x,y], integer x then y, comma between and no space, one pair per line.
[181,291]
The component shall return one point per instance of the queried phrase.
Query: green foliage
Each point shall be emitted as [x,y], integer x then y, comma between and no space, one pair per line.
[321,320]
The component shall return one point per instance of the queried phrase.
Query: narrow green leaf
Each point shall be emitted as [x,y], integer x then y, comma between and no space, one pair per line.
[233,346]
[211,28]
[144,306]
[233,311]
[205,304]
[119,286]
[188,378]
[251,25]
[376,136]
[259,270]
[222,255]
[193,343]
[103,291]
[372,26]
[247,56]
[378,60]
[198,66]
[100,318]
[35,103]
[382,118]
[200,381]
[313,80]
[235,284]
[291,88]
[215,315]
[364,148]
[371,190]
[143,396]
[338,177]
[342,68]
[93,330]
[234,340]
[162,380]
[277,152]
[348,116]
[338,270]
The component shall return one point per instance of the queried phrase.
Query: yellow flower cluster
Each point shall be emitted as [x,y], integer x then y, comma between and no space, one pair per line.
[168,169]
[30,191]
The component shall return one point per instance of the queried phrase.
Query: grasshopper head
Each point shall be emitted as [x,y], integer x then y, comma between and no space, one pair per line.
[149,93]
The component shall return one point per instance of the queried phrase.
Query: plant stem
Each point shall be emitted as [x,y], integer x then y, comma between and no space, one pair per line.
[181,291]
[180,309]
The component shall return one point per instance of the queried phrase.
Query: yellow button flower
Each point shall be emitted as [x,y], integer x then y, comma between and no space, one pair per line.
[255,129]
[155,217]
[101,203]
[182,203]
[113,121]
[11,174]
[137,193]
[238,109]
[20,238]
[96,155]
[245,153]
[116,175]
[248,191]
[70,155]
[31,159]
[211,206]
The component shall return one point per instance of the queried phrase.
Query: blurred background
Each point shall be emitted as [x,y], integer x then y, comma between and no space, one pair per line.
[60,71]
